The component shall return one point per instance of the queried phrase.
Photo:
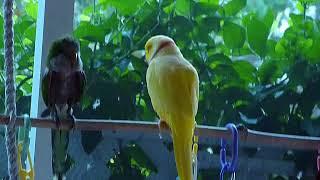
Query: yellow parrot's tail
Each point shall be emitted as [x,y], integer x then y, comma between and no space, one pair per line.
[182,146]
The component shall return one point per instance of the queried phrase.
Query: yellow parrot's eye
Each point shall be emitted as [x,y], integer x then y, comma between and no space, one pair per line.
[148,48]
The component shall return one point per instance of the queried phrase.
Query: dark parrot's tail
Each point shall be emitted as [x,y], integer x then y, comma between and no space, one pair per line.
[59,142]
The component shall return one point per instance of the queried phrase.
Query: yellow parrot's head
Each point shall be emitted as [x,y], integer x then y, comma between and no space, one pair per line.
[159,43]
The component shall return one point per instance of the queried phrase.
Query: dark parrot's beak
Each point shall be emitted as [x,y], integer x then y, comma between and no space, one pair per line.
[74,59]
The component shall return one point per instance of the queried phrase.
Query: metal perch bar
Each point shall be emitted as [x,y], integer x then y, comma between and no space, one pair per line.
[246,135]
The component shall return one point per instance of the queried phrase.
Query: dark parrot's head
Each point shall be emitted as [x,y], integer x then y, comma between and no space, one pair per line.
[64,51]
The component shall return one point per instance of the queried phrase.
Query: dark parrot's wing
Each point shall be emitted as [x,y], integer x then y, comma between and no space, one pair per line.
[45,86]
[80,79]
[48,87]
[83,81]
[45,90]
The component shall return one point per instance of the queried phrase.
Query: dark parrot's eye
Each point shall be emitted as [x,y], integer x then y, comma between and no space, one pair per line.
[74,58]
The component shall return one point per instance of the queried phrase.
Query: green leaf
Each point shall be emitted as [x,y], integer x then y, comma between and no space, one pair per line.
[1,68]
[123,6]
[305,44]
[30,32]
[234,35]
[234,6]
[246,71]
[32,9]
[138,64]
[309,1]
[313,52]
[90,32]
[280,49]
[147,12]
[211,2]
[205,8]
[269,71]
[86,102]
[296,18]
[1,32]
[21,26]
[110,23]
[168,9]
[217,59]
[269,18]
[208,23]
[27,88]
[183,7]
[257,34]
[181,23]
[226,76]
[271,47]
[139,158]
[300,7]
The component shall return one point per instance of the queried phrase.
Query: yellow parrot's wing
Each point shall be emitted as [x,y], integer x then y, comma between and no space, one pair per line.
[173,86]
[194,88]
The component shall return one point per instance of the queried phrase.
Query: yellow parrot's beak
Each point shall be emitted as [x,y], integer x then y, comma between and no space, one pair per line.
[147,57]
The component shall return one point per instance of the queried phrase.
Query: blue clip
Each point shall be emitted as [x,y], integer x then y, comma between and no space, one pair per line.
[225,165]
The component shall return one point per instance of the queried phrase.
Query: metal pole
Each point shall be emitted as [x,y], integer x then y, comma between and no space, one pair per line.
[247,136]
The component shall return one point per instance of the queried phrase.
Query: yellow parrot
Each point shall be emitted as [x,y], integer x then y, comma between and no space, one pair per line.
[173,86]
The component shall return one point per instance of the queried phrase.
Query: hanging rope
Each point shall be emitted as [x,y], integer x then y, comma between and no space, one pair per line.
[10,90]
[318,166]
[225,165]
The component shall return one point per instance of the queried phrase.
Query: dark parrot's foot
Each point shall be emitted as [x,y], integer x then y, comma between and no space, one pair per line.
[73,120]
[58,123]
[55,117]
[59,177]
[162,125]
[45,113]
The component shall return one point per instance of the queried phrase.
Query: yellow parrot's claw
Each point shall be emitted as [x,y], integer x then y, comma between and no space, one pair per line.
[162,125]
[195,130]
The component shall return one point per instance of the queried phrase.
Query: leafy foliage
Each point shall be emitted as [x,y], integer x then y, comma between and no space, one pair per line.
[25,30]
[132,162]
[249,73]
[24,38]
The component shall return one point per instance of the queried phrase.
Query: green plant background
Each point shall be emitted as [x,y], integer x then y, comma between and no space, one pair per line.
[252,71]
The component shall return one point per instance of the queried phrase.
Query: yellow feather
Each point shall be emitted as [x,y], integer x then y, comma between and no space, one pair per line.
[173,86]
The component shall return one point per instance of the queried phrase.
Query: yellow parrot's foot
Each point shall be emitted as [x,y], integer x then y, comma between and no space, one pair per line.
[59,177]
[162,125]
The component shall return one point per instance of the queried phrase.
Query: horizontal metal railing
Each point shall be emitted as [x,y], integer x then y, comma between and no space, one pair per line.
[247,136]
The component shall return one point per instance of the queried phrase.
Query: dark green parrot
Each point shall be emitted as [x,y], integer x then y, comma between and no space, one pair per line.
[63,85]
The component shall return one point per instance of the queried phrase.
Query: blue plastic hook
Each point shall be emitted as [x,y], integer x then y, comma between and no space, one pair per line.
[225,165]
